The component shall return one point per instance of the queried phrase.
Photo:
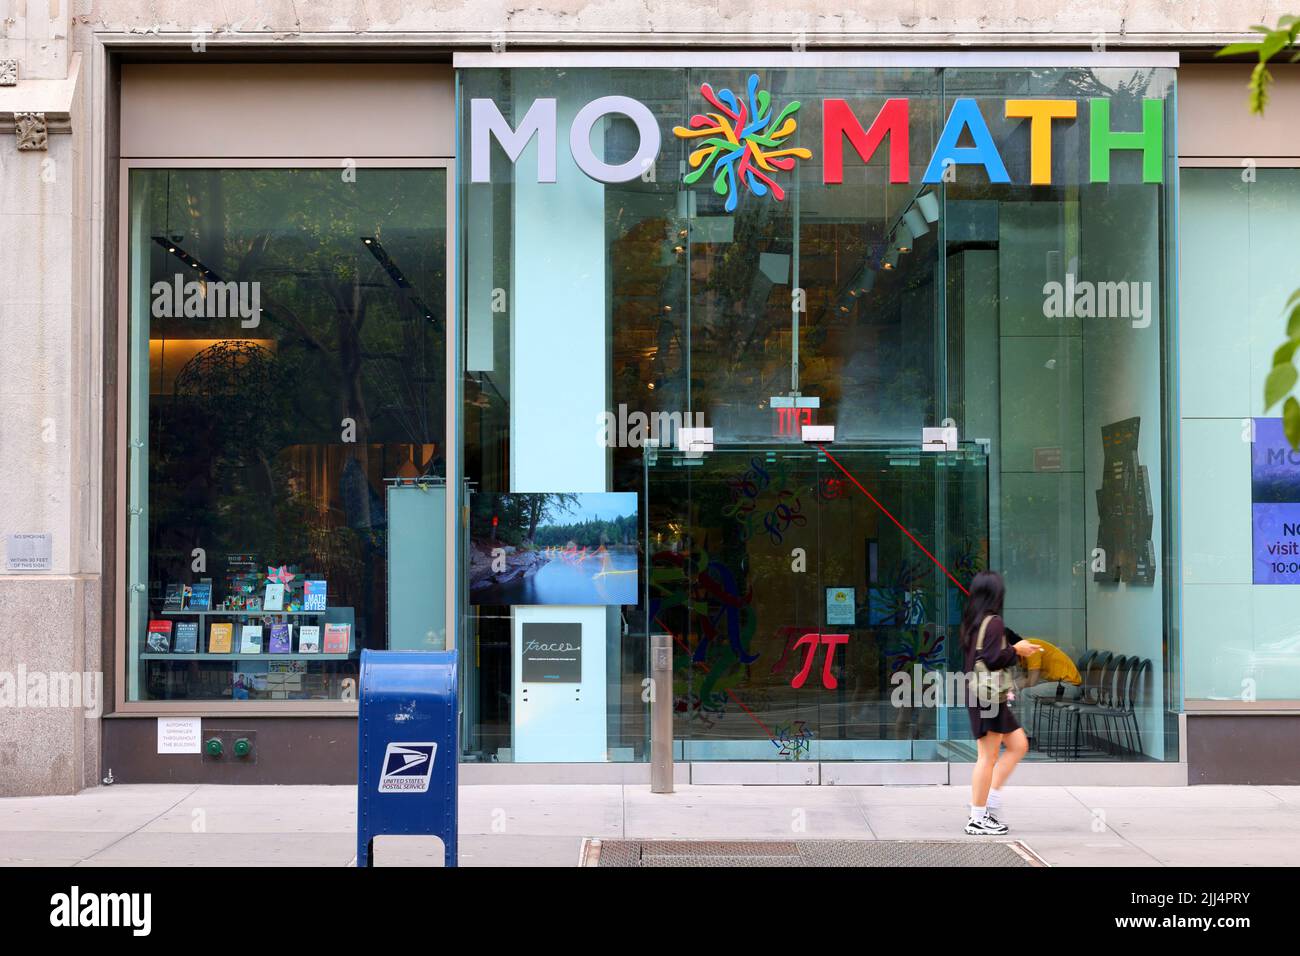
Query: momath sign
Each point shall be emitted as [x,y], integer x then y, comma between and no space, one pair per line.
[743,143]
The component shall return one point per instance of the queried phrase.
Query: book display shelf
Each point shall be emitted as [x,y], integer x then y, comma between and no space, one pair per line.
[285,643]
[265,618]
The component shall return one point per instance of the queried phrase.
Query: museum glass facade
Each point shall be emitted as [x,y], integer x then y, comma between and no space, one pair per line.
[673,281]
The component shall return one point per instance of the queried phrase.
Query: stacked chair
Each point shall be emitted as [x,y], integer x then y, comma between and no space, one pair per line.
[1103,707]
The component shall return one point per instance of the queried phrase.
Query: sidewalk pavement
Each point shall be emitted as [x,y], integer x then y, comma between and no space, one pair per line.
[193,825]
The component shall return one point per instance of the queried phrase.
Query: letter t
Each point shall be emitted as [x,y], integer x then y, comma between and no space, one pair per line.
[1040,114]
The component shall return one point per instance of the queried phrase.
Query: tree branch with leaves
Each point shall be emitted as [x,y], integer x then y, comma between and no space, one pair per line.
[1282,378]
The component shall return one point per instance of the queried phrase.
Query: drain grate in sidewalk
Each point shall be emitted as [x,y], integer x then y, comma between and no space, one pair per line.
[805,853]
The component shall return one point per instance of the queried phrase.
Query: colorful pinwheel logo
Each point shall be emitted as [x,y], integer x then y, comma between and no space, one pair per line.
[742,143]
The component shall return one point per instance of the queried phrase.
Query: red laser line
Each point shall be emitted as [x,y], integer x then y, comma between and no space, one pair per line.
[895,520]
[752,715]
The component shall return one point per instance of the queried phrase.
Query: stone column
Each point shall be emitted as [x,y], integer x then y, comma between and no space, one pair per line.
[51,360]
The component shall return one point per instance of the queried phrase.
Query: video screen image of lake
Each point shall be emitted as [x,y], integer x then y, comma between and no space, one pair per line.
[606,576]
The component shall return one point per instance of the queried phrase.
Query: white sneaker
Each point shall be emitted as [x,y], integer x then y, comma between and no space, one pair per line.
[992,818]
[986,827]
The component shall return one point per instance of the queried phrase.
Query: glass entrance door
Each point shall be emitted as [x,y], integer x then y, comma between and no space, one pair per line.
[813,596]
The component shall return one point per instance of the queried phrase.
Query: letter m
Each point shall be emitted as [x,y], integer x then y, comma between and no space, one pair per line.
[223,300]
[839,122]
[664,426]
[116,909]
[65,689]
[486,121]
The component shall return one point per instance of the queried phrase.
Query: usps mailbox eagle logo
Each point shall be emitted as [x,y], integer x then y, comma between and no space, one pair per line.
[407,767]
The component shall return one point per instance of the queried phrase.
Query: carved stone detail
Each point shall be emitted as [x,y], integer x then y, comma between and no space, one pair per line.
[31,132]
[8,72]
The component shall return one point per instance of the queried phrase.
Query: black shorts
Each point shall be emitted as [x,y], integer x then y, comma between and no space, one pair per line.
[1003,722]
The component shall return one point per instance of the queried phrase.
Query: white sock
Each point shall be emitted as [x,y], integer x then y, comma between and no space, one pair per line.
[995,799]
[978,813]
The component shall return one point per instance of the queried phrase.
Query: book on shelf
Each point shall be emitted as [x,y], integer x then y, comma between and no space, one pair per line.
[174,599]
[159,637]
[281,639]
[220,638]
[274,599]
[187,637]
[201,596]
[309,639]
[250,639]
[337,638]
[314,596]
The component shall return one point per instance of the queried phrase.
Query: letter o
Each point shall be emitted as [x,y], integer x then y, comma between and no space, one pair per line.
[580,139]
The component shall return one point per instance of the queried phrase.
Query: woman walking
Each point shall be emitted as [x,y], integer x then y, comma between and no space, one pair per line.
[991,659]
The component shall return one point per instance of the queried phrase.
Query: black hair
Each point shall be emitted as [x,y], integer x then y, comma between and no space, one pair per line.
[985,597]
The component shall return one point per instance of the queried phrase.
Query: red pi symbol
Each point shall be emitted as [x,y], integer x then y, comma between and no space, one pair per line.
[833,641]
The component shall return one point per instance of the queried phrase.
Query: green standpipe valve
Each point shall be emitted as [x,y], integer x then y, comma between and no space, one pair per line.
[213,747]
[243,747]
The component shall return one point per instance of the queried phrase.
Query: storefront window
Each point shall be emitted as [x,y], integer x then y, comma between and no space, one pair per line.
[1240,477]
[286,354]
[928,263]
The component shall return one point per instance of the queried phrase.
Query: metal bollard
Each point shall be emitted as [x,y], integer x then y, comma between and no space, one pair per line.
[661,713]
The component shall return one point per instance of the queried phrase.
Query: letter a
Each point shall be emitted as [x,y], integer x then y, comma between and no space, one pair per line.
[966,115]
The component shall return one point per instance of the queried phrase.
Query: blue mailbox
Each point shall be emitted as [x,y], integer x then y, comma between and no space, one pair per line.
[407,745]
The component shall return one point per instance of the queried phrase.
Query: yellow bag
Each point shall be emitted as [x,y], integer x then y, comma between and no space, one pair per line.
[1052,663]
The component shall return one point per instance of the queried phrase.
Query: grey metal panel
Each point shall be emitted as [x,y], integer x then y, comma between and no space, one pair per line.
[756,772]
[417,562]
[1075,773]
[1243,749]
[919,773]
[633,774]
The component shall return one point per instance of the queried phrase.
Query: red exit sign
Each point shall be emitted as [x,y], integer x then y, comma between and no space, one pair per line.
[790,421]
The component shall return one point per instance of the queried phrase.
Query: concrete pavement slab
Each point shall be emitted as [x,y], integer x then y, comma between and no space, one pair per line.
[509,825]
[538,810]
[498,850]
[1197,823]
[232,849]
[194,816]
[745,813]
[1237,851]
[681,822]
[1288,795]
[958,796]
[170,863]
[749,796]
[1104,850]
[102,809]
[234,795]
[1182,798]
[30,846]
[933,822]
